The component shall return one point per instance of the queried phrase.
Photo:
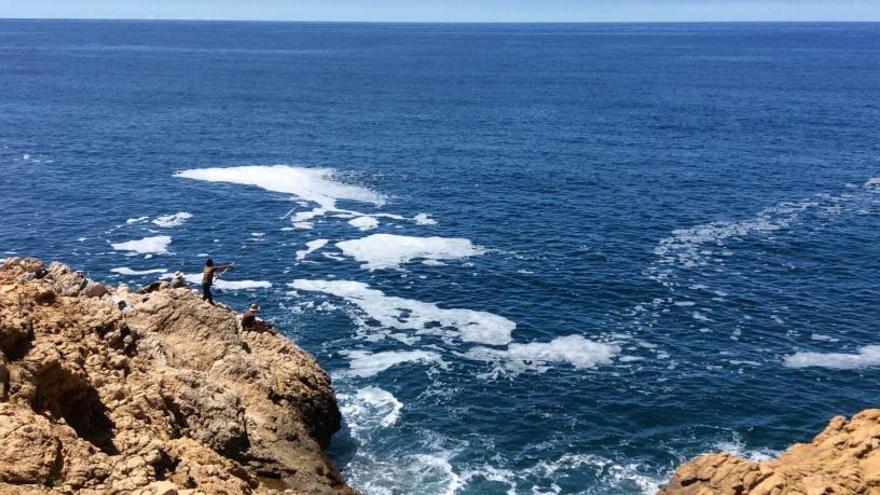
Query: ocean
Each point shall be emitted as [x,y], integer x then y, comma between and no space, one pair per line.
[534,258]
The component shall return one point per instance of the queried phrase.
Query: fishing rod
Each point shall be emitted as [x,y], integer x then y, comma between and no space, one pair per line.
[248,245]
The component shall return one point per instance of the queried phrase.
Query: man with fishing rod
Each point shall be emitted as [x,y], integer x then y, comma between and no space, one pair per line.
[208,275]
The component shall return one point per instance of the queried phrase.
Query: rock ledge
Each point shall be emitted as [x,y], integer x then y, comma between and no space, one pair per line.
[165,397]
[843,459]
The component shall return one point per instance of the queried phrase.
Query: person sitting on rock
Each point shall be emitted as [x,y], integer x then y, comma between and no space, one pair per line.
[249,318]
[208,275]
[177,281]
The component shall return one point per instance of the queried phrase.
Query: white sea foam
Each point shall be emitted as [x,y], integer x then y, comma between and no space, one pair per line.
[241,284]
[136,220]
[311,247]
[306,216]
[364,223]
[542,477]
[155,245]
[693,246]
[698,246]
[540,356]
[424,219]
[223,284]
[380,251]
[123,270]
[867,357]
[823,338]
[366,364]
[318,185]
[414,473]
[369,408]
[408,314]
[175,220]
[737,447]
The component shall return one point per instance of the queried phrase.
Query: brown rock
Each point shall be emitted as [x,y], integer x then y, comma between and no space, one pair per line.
[165,398]
[843,459]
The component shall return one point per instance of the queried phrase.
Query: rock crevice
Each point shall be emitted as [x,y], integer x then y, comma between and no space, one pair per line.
[165,395]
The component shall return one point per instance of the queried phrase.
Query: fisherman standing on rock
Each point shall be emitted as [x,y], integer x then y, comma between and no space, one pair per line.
[208,275]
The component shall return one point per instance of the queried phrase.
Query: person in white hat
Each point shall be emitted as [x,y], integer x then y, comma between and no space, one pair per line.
[249,318]
[177,281]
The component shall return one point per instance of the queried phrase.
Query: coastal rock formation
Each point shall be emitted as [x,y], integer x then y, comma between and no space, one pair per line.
[108,391]
[843,459]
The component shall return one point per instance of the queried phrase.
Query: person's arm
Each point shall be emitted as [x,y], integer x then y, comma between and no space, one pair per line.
[224,267]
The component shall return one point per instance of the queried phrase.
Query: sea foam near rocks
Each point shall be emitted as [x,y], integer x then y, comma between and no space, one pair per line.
[365,364]
[422,317]
[223,284]
[370,408]
[124,270]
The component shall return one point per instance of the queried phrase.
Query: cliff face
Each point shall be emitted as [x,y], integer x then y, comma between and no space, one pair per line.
[843,459]
[165,396]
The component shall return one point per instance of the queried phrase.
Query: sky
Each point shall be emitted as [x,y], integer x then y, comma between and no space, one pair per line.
[451,10]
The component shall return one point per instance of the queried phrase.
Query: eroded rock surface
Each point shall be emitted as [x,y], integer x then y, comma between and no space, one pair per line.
[166,396]
[843,459]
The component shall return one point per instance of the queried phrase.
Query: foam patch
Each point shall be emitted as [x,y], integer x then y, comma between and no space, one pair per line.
[574,350]
[366,364]
[148,245]
[867,357]
[424,219]
[317,185]
[123,270]
[364,223]
[223,284]
[311,247]
[422,317]
[382,251]
[370,408]
[175,220]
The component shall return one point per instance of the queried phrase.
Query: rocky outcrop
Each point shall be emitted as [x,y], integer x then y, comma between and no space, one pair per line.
[843,459]
[160,395]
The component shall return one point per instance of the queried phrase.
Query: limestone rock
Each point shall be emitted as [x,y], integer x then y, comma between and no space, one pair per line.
[164,397]
[843,459]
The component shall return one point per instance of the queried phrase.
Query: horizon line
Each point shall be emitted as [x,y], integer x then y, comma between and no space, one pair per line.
[342,21]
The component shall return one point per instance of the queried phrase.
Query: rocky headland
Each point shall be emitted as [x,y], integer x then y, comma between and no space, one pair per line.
[842,460]
[163,394]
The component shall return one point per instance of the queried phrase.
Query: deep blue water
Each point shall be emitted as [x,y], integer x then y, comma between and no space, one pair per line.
[576,156]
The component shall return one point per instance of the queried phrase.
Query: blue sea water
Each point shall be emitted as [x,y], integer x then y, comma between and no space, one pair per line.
[679,219]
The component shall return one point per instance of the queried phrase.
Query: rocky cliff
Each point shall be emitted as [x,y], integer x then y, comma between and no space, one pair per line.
[164,395]
[843,459]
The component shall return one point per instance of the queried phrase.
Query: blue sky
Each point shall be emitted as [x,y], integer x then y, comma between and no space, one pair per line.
[453,10]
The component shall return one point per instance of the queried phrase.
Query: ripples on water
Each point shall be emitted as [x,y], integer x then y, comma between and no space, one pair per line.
[535,259]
